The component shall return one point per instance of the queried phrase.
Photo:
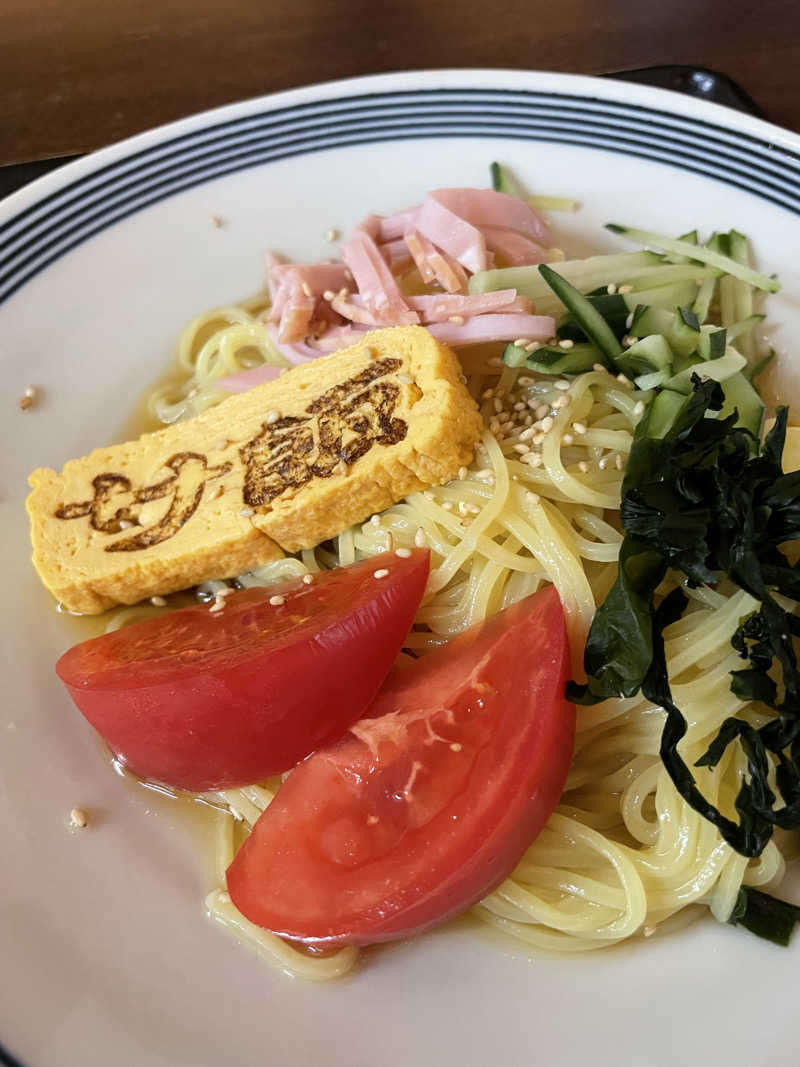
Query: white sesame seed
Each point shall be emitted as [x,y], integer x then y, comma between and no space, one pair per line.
[566,344]
[547,424]
[521,342]
[307,290]
[405,379]
[462,473]
[216,221]
[599,367]
[78,818]
[538,438]
[332,235]
[381,573]
[623,289]
[533,498]
[601,463]
[638,407]
[560,402]
[579,427]
[541,411]
[567,439]
[217,607]
[246,513]
[627,340]
[457,320]
[522,449]
[618,461]
[277,601]
[561,384]
[420,539]
[533,459]
[428,494]
[629,321]
[372,820]
[534,346]
[526,435]
[495,361]
[520,406]
[403,553]
[308,579]
[389,540]
[272,417]
[498,405]
[216,492]
[485,473]
[455,746]
[611,288]
[329,295]
[375,520]
[525,380]
[487,394]
[158,601]
[447,505]
[625,381]
[583,467]
[124,524]
[648,931]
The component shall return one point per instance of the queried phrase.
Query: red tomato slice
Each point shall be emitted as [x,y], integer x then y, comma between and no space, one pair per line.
[427,804]
[203,700]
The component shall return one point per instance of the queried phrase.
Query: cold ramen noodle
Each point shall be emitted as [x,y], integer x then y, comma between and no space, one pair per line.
[417,489]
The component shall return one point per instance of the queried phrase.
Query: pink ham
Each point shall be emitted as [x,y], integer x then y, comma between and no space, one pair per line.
[516,249]
[441,307]
[395,226]
[452,233]
[485,207]
[484,328]
[434,265]
[396,254]
[247,379]
[375,282]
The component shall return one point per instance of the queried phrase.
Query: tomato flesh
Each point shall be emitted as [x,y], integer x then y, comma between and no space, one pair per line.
[430,800]
[205,700]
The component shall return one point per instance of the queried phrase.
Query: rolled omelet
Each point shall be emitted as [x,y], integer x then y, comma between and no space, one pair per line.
[276,469]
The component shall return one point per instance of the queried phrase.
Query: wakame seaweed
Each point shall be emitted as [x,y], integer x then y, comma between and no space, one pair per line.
[707,501]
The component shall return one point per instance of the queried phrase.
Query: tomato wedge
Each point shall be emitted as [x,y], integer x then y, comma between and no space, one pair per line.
[429,802]
[207,700]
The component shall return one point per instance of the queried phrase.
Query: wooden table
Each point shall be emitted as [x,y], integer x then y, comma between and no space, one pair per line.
[78,74]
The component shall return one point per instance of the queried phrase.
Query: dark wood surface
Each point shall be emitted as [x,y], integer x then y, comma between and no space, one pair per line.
[78,74]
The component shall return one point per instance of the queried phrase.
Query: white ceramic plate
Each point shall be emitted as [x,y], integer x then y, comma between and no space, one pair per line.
[106,956]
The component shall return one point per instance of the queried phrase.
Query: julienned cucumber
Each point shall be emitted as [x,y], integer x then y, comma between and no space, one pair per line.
[651,355]
[742,397]
[547,360]
[718,369]
[588,318]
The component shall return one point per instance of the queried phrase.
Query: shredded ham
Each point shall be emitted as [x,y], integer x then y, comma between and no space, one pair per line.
[396,254]
[516,249]
[452,233]
[485,207]
[248,379]
[439,308]
[434,265]
[484,328]
[375,282]
[396,225]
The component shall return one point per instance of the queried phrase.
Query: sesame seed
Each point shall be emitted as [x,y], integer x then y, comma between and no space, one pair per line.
[561,385]
[307,290]
[420,539]
[526,435]
[611,288]
[567,439]
[533,459]
[329,295]
[332,235]
[601,463]
[566,344]
[525,380]
[538,438]
[308,579]
[534,346]
[560,402]
[579,427]
[618,461]
[389,540]
[485,473]
[225,592]
[78,818]
[25,402]
[533,498]
[403,553]
[522,449]
[382,573]
[158,601]
[497,404]
[428,494]
[462,473]
[541,411]
[246,512]
[277,601]
[623,289]
[599,367]
[372,820]
[629,321]
[520,406]
[405,379]
[455,746]
[625,381]
[447,505]
[648,931]
[216,492]
[343,293]
[272,417]
[375,520]
[487,394]
[495,361]
[638,407]
[220,446]
[522,342]
[547,424]
[583,467]
[627,340]
[457,320]
[217,607]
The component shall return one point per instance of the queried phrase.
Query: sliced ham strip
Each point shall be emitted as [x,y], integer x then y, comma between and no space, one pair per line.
[485,207]
[295,352]
[515,248]
[248,379]
[452,233]
[394,226]
[484,328]
[297,312]
[419,250]
[396,254]
[375,282]
[434,265]
[439,308]
[339,337]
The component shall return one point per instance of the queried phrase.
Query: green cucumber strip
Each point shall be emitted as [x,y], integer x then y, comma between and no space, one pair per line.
[654,380]
[718,369]
[553,203]
[713,342]
[550,360]
[744,326]
[671,296]
[703,255]
[649,356]
[690,238]
[663,413]
[743,293]
[588,318]
[585,274]
[504,182]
